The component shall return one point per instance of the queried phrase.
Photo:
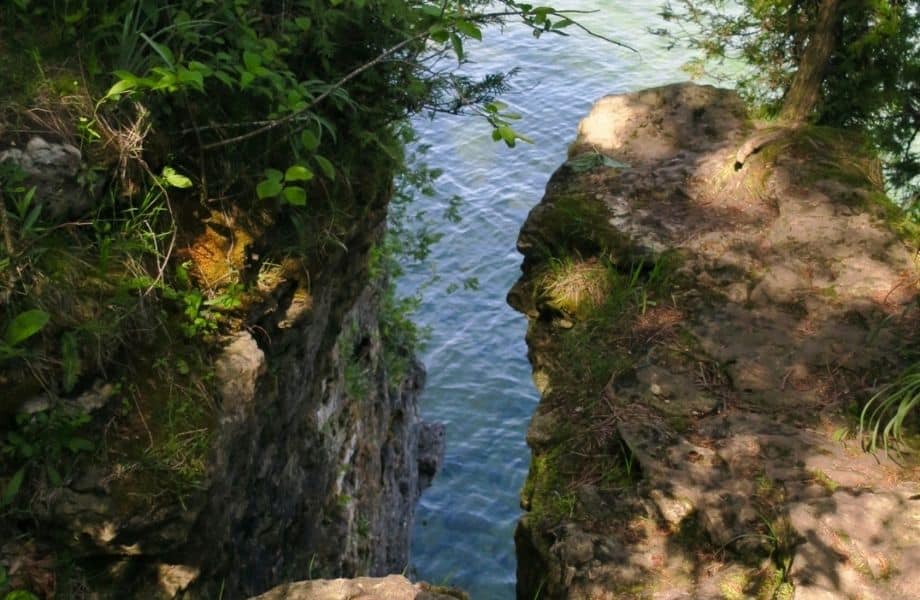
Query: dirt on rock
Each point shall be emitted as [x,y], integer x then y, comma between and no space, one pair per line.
[696,435]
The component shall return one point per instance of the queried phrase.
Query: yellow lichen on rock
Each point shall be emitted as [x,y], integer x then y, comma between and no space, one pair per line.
[219,253]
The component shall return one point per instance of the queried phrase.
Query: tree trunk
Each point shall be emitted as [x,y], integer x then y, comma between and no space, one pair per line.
[805,92]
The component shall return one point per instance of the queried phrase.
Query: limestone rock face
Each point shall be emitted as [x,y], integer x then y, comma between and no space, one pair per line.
[237,371]
[315,453]
[52,169]
[392,587]
[318,468]
[692,439]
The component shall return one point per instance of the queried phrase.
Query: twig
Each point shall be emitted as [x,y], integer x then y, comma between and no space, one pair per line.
[143,420]
[7,290]
[293,116]
[161,264]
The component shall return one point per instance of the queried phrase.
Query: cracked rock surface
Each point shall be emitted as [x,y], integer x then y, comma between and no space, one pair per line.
[712,454]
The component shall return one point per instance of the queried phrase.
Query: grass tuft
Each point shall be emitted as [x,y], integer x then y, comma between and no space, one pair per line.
[576,287]
[887,415]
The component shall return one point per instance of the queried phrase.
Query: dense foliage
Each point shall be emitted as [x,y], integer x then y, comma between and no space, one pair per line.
[290,113]
[225,145]
[871,82]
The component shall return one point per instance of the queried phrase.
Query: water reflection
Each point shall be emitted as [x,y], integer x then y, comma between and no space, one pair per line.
[479,379]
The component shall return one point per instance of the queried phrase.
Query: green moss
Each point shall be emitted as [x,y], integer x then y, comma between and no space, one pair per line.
[906,227]
[837,155]
[354,355]
[446,591]
[824,480]
[734,586]
[20,74]
[577,365]
[160,438]
[578,224]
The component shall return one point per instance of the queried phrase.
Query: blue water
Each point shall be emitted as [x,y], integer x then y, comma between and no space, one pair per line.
[479,379]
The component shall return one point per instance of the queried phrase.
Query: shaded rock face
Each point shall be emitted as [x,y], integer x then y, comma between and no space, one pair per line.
[708,456]
[52,168]
[317,452]
[321,466]
[316,467]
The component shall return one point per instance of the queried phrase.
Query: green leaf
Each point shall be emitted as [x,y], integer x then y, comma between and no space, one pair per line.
[438,33]
[76,17]
[309,140]
[54,476]
[252,61]
[195,78]
[507,135]
[174,179]
[78,444]
[325,166]
[302,23]
[268,189]
[246,78]
[200,67]
[295,195]
[274,175]
[298,173]
[167,80]
[30,219]
[468,29]
[591,160]
[457,43]
[182,367]
[164,52]
[614,163]
[431,10]
[224,78]
[120,87]
[20,595]
[25,325]
[12,488]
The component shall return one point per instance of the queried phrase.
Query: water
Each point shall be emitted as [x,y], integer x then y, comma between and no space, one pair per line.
[479,378]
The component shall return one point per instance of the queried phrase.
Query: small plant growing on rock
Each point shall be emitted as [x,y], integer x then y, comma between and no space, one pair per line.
[575,286]
[886,414]
[39,444]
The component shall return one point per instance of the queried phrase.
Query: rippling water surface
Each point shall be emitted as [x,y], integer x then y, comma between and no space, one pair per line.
[479,378]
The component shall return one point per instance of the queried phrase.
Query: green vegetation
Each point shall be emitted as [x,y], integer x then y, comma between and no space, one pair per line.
[601,308]
[851,65]
[167,101]
[233,154]
[177,416]
[40,446]
[580,225]
[827,154]
[887,415]
[576,287]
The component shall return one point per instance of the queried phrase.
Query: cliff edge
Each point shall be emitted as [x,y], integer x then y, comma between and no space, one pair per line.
[710,302]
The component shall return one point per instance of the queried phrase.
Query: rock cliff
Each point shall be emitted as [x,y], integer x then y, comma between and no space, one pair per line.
[710,300]
[289,446]
[392,587]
